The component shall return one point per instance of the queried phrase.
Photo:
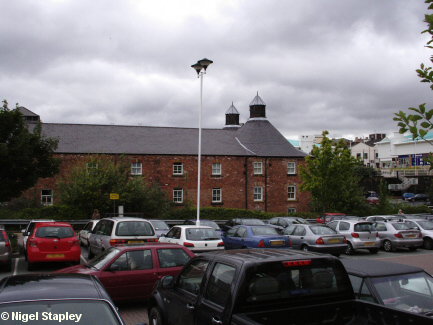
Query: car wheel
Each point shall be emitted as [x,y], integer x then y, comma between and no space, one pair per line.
[8,267]
[304,248]
[349,249]
[413,249]
[387,246]
[30,266]
[373,250]
[155,317]
[428,243]
[90,254]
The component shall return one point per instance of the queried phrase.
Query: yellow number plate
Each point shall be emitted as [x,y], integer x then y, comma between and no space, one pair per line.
[333,240]
[55,255]
[411,236]
[277,242]
[135,241]
[369,243]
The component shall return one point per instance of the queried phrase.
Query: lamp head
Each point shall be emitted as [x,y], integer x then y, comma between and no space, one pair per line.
[205,63]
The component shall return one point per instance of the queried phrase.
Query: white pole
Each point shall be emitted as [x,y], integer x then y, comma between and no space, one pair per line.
[199,150]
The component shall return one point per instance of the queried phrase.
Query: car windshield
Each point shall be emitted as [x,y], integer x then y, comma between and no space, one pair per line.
[102,259]
[54,232]
[253,222]
[322,230]
[400,226]
[159,225]
[427,225]
[82,311]
[264,231]
[134,228]
[411,292]
[365,226]
[209,223]
[201,234]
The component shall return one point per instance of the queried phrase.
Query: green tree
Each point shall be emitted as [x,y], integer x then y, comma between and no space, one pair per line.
[25,154]
[89,183]
[419,122]
[329,176]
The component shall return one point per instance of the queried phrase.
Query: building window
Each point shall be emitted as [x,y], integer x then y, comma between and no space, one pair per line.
[47,197]
[91,166]
[177,169]
[291,210]
[365,155]
[358,155]
[178,195]
[216,169]
[136,168]
[291,168]
[258,193]
[216,195]
[291,192]
[258,168]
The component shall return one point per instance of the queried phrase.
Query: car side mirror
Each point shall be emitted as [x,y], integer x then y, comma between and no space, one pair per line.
[163,235]
[167,282]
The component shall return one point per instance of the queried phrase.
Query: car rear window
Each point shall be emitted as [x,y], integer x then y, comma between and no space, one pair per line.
[253,222]
[172,257]
[54,232]
[134,228]
[364,227]
[400,226]
[264,231]
[201,234]
[321,230]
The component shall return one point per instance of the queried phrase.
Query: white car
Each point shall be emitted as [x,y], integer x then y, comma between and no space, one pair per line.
[195,238]
[83,235]
[426,228]
[28,231]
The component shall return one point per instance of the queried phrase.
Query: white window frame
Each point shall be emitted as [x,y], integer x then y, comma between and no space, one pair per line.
[177,168]
[258,193]
[291,192]
[258,168]
[217,195]
[136,168]
[47,199]
[291,210]
[216,168]
[291,168]
[90,166]
[178,195]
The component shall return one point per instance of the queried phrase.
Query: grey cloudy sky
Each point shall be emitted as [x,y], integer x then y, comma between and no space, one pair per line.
[342,66]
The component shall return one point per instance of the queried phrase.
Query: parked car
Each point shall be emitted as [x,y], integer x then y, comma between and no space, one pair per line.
[207,223]
[161,228]
[406,196]
[394,285]
[384,218]
[373,199]
[328,217]
[426,228]
[195,238]
[5,249]
[239,221]
[128,272]
[28,231]
[83,235]
[119,230]
[316,238]
[359,235]
[418,197]
[395,235]
[281,223]
[254,237]
[52,242]
[56,299]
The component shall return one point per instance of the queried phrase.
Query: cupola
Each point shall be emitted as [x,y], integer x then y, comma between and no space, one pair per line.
[257,107]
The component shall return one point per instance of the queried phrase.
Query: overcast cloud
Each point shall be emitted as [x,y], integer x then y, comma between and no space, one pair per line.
[342,66]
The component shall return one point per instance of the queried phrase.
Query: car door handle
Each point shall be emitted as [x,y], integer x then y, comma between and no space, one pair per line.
[190,307]
[216,321]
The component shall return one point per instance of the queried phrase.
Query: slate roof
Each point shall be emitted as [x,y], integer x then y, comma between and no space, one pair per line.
[257,137]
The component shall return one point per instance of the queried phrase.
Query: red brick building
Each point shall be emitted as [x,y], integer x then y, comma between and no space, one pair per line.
[249,166]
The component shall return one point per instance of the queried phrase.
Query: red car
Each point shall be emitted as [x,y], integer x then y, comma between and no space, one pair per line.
[328,217]
[52,242]
[128,272]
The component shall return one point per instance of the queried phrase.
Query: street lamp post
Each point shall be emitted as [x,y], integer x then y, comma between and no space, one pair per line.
[200,67]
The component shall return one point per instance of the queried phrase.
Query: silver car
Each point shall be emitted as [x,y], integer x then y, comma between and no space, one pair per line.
[395,235]
[119,230]
[316,238]
[83,235]
[359,235]
[5,249]
[426,228]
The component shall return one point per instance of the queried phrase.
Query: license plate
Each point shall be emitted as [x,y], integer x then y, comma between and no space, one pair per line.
[410,236]
[369,243]
[55,255]
[277,242]
[135,241]
[333,240]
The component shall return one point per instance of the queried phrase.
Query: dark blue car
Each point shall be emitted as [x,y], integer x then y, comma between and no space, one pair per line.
[254,237]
